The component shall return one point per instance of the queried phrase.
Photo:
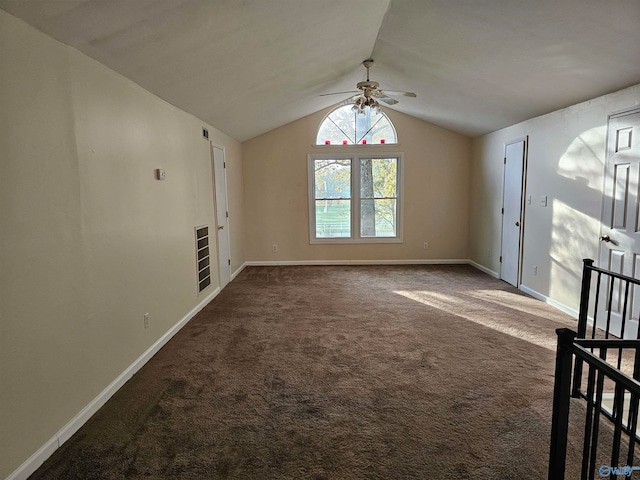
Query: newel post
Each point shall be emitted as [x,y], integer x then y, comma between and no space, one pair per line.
[561,397]
[582,320]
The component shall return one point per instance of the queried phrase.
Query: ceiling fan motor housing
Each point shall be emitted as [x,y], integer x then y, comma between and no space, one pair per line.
[371,89]
[367,87]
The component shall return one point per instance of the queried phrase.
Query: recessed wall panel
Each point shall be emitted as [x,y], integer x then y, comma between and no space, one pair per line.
[621,187]
[623,139]
[635,290]
[616,264]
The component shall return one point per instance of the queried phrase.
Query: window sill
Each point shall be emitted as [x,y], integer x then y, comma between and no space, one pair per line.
[351,241]
[356,145]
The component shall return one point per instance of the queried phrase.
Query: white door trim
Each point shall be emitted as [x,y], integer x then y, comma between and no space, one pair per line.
[221,211]
[512,230]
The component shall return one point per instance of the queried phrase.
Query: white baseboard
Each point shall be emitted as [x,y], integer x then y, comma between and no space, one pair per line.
[276,263]
[39,457]
[550,301]
[446,261]
[484,269]
[34,461]
[238,271]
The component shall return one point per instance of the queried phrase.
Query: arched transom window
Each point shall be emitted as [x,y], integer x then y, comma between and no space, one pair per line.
[344,126]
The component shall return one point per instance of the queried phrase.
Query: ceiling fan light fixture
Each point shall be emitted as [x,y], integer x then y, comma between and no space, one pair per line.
[374,105]
[361,104]
[368,90]
[358,105]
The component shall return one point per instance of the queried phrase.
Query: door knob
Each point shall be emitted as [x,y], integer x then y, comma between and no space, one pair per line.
[517,224]
[220,227]
[605,238]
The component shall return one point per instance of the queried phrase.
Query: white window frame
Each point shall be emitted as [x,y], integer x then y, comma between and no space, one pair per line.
[355,198]
[320,142]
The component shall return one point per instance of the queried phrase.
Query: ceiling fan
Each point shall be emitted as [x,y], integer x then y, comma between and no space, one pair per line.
[369,93]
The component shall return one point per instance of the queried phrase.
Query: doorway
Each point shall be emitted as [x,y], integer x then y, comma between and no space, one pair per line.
[620,221]
[222,215]
[512,208]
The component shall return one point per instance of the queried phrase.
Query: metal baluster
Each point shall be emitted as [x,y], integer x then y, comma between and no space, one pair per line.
[596,417]
[595,307]
[632,424]
[588,424]
[612,282]
[624,319]
[632,421]
[618,409]
[582,322]
[584,297]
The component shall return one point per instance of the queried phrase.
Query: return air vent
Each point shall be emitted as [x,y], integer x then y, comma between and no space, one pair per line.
[202,255]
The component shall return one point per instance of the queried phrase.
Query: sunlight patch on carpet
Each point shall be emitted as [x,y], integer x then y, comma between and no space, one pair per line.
[522,303]
[482,313]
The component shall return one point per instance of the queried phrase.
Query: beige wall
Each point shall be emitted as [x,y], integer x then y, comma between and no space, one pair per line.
[90,240]
[566,163]
[436,201]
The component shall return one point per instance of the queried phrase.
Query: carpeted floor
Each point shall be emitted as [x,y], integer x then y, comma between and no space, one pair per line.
[381,372]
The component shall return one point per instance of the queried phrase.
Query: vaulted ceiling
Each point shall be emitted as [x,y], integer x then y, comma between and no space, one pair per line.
[249,66]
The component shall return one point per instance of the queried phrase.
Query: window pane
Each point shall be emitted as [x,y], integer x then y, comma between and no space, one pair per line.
[383,131]
[332,178]
[338,126]
[378,191]
[343,124]
[333,218]
[378,218]
[378,177]
[332,132]
[374,127]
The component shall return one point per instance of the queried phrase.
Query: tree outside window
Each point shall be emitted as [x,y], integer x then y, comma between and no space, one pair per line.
[369,215]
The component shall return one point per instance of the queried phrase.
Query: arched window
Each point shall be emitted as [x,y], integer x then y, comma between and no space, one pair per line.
[344,126]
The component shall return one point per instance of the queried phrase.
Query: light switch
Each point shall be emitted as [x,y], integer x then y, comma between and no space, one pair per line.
[528,199]
[160,175]
[543,201]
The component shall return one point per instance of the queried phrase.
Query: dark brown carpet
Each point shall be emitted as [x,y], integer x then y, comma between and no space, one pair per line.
[425,372]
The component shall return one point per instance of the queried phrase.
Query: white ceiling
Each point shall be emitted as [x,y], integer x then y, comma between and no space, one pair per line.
[249,66]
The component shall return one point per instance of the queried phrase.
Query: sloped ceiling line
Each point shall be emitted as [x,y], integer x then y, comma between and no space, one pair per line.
[247,67]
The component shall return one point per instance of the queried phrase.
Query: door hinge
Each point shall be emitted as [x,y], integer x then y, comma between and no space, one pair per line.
[503,210]
[229,262]
[500,258]
[505,160]
[227,214]
[224,164]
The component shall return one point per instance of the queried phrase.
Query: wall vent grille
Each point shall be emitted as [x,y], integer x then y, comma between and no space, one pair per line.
[203,259]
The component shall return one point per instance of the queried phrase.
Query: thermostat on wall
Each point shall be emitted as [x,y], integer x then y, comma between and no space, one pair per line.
[160,175]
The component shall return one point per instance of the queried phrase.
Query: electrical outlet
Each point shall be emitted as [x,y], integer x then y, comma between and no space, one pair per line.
[425,245]
[146,320]
[274,249]
[488,253]
[535,270]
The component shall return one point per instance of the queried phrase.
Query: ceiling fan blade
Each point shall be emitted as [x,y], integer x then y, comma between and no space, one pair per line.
[337,93]
[404,94]
[380,95]
[350,100]
[388,100]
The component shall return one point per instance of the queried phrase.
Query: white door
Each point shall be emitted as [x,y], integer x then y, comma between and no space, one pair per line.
[620,240]
[512,212]
[222,215]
